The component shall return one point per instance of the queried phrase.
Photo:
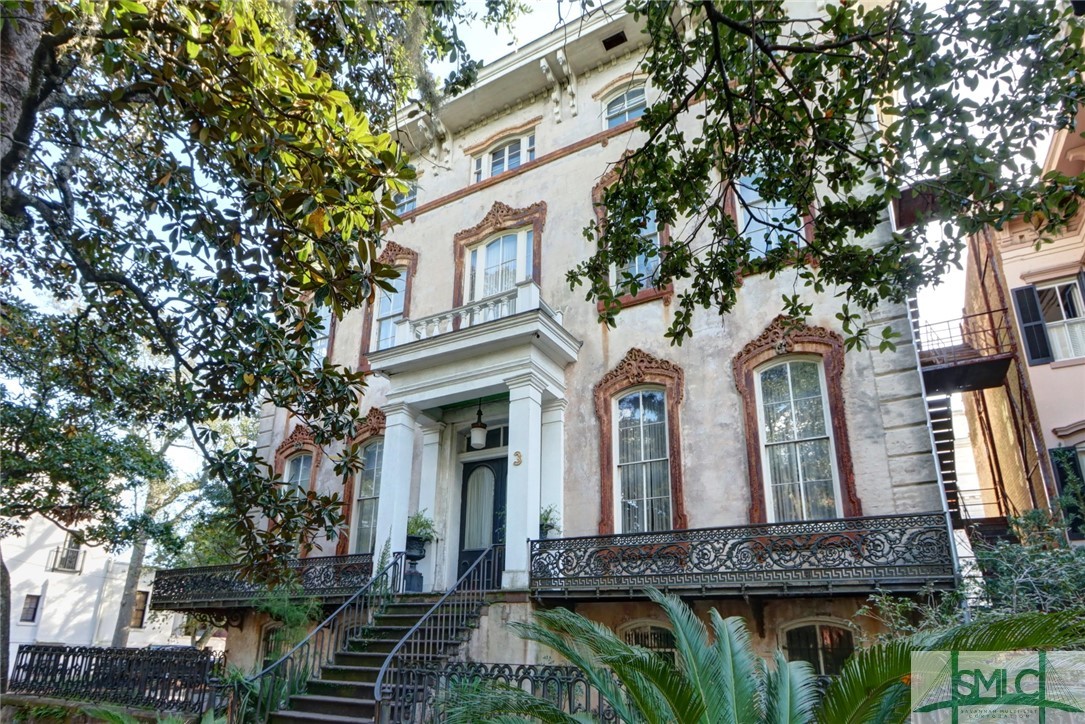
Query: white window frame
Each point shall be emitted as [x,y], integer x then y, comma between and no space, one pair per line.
[619,519]
[483,165]
[288,469]
[406,203]
[770,503]
[646,277]
[37,610]
[747,189]
[370,545]
[1059,333]
[392,315]
[474,282]
[626,107]
[818,621]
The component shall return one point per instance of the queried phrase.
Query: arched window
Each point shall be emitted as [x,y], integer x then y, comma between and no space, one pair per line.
[272,644]
[298,469]
[498,264]
[507,156]
[390,310]
[625,107]
[796,441]
[825,646]
[643,461]
[651,636]
[369,490]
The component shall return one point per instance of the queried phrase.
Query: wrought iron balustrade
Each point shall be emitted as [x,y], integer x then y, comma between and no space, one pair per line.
[565,687]
[902,552]
[221,586]
[67,560]
[159,679]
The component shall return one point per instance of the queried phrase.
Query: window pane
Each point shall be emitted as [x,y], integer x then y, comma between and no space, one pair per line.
[659,517]
[478,526]
[629,410]
[298,469]
[820,502]
[631,517]
[778,422]
[814,460]
[659,484]
[367,525]
[782,465]
[30,608]
[1049,304]
[654,441]
[809,417]
[805,380]
[774,384]
[802,645]
[788,499]
[1071,300]
[836,647]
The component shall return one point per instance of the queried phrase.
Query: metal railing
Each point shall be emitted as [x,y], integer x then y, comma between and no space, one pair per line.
[170,680]
[565,687]
[67,560]
[395,692]
[325,576]
[271,689]
[903,551]
[983,334]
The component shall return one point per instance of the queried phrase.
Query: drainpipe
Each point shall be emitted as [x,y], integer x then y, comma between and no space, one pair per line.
[913,316]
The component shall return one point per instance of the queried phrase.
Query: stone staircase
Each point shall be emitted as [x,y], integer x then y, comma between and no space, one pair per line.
[344,691]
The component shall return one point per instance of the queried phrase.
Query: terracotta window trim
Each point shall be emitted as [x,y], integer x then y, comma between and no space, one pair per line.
[782,338]
[371,427]
[300,441]
[392,255]
[730,207]
[501,217]
[639,368]
[509,133]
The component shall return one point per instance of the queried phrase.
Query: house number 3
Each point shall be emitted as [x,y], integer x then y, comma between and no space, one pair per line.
[517,458]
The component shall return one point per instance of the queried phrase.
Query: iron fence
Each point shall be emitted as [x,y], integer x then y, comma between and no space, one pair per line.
[903,551]
[175,680]
[324,576]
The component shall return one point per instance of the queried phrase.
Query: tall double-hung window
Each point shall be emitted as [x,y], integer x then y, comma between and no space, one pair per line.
[643,462]
[390,311]
[1051,317]
[762,221]
[499,263]
[369,490]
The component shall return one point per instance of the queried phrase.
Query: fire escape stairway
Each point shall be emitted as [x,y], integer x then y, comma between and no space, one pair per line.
[344,690]
[941,421]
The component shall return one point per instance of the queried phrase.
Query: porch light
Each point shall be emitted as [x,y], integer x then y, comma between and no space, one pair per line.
[478,430]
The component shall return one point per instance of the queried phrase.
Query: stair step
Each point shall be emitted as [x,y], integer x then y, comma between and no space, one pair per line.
[345,689]
[354,663]
[286,717]
[333,705]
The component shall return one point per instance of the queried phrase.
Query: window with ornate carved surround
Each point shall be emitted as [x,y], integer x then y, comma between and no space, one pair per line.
[500,218]
[661,235]
[368,432]
[289,462]
[782,340]
[754,218]
[406,261]
[639,370]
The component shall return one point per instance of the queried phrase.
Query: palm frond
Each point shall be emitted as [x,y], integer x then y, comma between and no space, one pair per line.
[700,661]
[741,677]
[790,692]
[467,702]
[867,677]
[657,686]
[1061,629]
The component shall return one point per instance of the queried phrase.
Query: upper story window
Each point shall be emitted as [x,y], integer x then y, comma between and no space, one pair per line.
[1052,319]
[498,264]
[31,605]
[298,469]
[369,490]
[643,462]
[322,337]
[824,646]
[139,610]
[762,221]
[509,155]
[796,442]
[406,202]
[625,107]
[390,311]
[69,557]
[644,266]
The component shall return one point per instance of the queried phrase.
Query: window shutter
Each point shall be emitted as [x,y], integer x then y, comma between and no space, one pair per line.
[1065,463]
[1033,329]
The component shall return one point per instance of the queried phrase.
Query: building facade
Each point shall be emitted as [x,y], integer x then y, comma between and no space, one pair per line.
[760,468]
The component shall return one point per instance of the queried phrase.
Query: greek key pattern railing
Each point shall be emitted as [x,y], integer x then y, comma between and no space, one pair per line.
[564,686]
[162,680]
[324,576]
[901,549]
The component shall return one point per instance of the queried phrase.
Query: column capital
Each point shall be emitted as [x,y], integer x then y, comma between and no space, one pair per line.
[556,405]
[399,411]
[432,433]
[525,385]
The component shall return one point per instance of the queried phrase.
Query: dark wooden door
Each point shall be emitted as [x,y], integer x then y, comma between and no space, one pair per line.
[482,509]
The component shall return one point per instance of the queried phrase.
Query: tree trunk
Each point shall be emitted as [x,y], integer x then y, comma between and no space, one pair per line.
[128,598]
[5,622]
[199,640]
[19,40]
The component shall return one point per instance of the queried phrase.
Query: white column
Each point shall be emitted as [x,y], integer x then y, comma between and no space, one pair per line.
[552,476]
[427,500]
[524,477]
[396,476]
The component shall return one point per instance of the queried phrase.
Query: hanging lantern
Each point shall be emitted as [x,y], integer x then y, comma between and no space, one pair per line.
[478,430]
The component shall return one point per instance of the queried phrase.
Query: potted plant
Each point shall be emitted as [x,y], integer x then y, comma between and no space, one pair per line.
[549,520]
[420,531]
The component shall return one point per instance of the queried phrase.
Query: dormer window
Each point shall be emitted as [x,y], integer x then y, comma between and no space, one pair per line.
[625,107]
[510,154]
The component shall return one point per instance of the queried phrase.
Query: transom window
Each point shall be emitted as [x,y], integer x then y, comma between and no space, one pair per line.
[298,469]
[796,442]
[654,638]
[625,107]
[1064,315]
[390,311]
[763,222]
[506,157]
[322,336]
[644,475]
[495,266]
[823,646]
[369,490]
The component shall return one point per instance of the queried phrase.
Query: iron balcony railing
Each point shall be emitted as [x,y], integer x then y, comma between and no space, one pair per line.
[900,552]
[327,577]
[984,334]
[67,560]
[165,680]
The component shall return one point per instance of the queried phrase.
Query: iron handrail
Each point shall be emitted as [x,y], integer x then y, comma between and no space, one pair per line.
[274,685]
[428,638]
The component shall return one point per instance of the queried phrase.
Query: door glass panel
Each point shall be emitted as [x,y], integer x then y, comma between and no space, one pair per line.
[478,525]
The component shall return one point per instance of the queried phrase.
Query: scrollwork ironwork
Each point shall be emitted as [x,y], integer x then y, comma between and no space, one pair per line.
[890,550]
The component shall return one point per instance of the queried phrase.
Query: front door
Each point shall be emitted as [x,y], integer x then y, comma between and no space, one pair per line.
[482,516]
